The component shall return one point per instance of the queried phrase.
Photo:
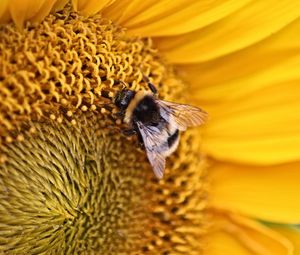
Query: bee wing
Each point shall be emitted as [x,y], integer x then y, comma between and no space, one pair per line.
[152,138]
[184,115]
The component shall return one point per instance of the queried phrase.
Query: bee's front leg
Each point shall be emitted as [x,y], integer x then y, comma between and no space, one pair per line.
[129,132]
[120,114]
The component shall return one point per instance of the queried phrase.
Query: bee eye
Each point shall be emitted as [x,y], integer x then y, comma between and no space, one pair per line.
[123,98]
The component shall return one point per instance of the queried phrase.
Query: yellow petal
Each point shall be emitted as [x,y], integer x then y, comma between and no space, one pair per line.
[28,10]
[271,61]
[237,235]
[162,18]
[221,243]
[22,11]
[267,193]
[4,11]
[90,7]
[120,11]
[293,234]
[59,5]
[247,26]
[252,97]
[43,11]
[262,127]
[77,4]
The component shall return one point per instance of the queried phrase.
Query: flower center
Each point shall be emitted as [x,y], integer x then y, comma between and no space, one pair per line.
[70,181]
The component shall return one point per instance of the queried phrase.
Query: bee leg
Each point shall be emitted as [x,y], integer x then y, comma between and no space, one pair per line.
[129,132]
[150,85]
[120,114]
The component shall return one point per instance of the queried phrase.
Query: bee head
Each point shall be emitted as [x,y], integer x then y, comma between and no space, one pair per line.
[123,98]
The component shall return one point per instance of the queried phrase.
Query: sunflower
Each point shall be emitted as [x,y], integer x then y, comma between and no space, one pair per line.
[71,183]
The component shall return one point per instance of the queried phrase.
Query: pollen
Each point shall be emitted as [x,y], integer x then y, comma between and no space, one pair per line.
[20,138]
[73,122]
[70,181]
[8,139]
[84,108]
[52,117]
[32,130]
[59,119]
[93,107]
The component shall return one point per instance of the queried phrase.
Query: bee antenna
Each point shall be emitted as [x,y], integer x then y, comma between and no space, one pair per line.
[124,85]
[150,85]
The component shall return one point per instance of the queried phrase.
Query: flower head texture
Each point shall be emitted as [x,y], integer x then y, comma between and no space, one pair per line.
[72,183]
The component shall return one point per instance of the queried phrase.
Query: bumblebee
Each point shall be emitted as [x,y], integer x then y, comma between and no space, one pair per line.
[157,123]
